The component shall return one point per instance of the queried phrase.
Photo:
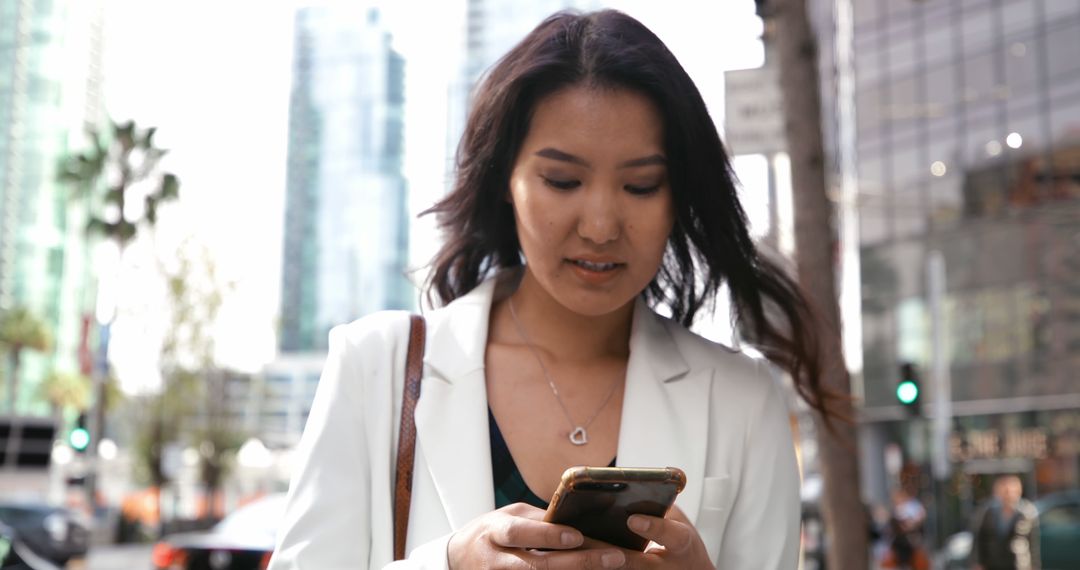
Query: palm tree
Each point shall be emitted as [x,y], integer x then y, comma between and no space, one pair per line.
[21,329]
[131,155]
[65,391]
[120,168]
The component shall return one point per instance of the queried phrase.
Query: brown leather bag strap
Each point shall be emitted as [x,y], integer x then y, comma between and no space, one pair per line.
[414,368]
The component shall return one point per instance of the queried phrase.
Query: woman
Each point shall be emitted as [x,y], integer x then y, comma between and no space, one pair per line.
[591,187]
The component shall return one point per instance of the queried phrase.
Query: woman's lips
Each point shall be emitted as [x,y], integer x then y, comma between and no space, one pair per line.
[595,272]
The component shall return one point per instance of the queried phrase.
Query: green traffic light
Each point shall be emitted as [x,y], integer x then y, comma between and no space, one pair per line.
[79,439]
[907,392]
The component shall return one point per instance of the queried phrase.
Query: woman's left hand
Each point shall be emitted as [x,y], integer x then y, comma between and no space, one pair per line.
[675,543]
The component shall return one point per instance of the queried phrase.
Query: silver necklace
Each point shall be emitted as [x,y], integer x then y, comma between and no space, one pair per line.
[579,434]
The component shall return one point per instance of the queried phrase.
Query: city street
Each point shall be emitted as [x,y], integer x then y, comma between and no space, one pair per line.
[118,557]
[822,256]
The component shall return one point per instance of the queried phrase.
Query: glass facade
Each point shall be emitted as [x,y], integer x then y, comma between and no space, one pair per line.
[346,230]
[968,121]
[280,399]
[50,87]
[495,26]
[968,144]
[492,27]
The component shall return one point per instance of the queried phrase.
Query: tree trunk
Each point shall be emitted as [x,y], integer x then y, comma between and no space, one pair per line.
[15,363]
[815,239]
[157,470]
[212,475]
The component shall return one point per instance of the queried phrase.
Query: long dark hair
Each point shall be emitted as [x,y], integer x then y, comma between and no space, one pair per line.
[709,244]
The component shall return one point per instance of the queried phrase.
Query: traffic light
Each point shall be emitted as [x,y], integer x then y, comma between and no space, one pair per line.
[79,438]
[909,389]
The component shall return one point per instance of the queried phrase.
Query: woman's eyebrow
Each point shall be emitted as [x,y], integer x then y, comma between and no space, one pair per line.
[655,159]
[556,154]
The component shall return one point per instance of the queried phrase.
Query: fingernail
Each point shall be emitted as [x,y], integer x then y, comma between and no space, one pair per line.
[612,559]
[639,524]
[570,538]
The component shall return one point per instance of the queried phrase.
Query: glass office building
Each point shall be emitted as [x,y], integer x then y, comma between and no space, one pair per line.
[968,144]
[346,230]
[492,27]
[50,88]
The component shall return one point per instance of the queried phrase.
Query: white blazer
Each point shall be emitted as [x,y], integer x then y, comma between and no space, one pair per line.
[689,403]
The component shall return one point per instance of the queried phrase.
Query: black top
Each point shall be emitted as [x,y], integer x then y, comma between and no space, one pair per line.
[510,486]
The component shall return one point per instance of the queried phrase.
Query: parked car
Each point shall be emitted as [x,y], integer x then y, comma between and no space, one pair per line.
[9,558]
[52,533]
[14,554]
[243,540]
[1059,530]
[1059,534]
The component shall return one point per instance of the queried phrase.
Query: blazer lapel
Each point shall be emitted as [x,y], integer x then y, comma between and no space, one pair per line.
[665,411]
[664,419]
[451,415]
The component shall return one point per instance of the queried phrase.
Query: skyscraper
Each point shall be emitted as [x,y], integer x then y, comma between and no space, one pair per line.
[492,27]
[346,234]
[50,89]
[495,26]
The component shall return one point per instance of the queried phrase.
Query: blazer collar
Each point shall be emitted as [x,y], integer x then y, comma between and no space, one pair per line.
[652,347]
[452,412]
[457,335]
[664,420]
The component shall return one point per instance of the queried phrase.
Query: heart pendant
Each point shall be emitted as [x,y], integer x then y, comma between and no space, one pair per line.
[579,436]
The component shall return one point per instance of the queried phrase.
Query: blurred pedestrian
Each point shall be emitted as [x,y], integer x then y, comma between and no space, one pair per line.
[1005,531]
[905,530]
[880,519]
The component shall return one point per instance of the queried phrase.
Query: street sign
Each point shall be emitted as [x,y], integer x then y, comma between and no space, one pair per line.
[753,111]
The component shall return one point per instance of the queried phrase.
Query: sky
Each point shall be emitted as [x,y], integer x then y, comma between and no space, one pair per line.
[214,77]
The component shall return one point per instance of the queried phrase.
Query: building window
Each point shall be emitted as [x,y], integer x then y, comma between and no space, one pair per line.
[1062,47]
[866,12]
[1056,10]
[1018,16]
[868,110]
[938,41]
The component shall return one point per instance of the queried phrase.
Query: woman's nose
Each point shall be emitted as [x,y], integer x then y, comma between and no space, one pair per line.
[600,220]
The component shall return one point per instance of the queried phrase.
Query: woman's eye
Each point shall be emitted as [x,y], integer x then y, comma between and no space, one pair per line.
[561,184]
[641,190]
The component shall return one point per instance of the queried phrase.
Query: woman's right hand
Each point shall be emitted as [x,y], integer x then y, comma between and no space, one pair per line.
[506,539]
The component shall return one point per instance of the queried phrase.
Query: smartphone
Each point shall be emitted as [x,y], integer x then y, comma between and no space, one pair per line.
[598,500]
